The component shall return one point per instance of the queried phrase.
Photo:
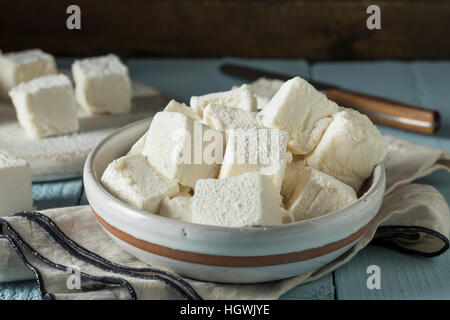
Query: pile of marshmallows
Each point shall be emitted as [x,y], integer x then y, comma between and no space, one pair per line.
[45,101]
[221,162]
[46,105]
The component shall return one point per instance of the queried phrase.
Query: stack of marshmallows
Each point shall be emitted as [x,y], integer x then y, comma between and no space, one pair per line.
[221,162]
[45,101]
[47,105]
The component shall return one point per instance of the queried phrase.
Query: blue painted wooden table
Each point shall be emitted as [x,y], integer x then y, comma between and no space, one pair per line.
[421,83]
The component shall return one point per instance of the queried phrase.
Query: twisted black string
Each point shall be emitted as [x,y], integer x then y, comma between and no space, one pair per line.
[130,271]
[84,254]
[99,265]
[15,239]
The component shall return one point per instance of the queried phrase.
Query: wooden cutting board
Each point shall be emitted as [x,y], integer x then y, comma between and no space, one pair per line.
[62,157]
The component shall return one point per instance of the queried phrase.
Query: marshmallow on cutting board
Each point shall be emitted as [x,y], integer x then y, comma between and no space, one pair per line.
[46,106]
[102,85]
[299,109]
[15,185]
[247,200]
[23,66]
[63,156]
[317,193]
[349,149]
[133,180]
[241,97]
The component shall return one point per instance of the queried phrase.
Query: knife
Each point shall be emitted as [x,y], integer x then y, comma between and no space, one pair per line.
[380,110]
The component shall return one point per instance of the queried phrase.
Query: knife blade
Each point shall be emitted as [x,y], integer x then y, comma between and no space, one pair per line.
[380,110]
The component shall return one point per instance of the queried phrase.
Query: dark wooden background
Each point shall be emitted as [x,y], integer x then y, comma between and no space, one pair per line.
[311,29]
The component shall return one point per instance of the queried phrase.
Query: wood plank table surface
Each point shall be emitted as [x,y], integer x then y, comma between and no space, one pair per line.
[421,83]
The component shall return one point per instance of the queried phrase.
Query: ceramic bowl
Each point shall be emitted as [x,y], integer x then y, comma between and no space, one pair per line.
[223,254]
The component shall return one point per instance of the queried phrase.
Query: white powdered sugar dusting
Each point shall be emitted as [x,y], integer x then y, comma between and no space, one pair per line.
[44,82]
[26,56]
[101,66]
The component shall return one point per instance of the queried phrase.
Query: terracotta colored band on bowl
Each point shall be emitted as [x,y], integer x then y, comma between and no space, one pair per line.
[231,261]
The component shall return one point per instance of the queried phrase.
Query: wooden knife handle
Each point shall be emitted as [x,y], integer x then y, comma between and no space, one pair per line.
[388,112]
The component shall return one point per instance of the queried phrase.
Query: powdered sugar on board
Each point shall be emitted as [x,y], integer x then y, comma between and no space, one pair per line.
[63,157]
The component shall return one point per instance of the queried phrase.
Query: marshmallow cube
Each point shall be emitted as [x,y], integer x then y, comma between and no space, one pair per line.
[23,66]
[183,149]
[262,150]
[133,180]
[46,106]
[102,85]
[317,194]
[300,110]
[15,185]
[349,149]
[247,200]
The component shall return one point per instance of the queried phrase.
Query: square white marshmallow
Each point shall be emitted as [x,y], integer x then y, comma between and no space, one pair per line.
[178,207]
[15,185]
[175,106]
[133,180]
[256,150]
[241,97]
[349,149]
[317,194]
[224,118]
[102,85]
[46,106]
[300,110]
[23,66]
[249,200]
[183,149]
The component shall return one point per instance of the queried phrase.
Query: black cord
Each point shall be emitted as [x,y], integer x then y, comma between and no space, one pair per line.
[15,239]
[82,253]
[116,267]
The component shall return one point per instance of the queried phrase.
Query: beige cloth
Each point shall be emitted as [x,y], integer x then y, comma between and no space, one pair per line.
[417,208]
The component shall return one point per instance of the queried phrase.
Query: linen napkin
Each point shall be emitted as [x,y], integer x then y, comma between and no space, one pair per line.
[59,246]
